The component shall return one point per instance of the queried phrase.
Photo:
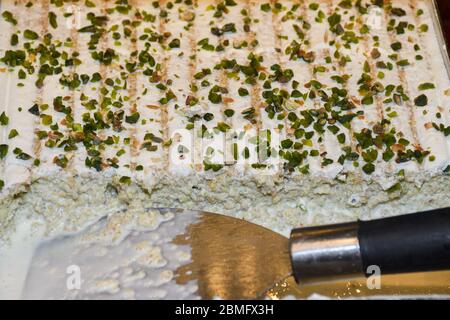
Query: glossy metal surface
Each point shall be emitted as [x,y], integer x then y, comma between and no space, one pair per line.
[233,259]
[326,253]
[429,285]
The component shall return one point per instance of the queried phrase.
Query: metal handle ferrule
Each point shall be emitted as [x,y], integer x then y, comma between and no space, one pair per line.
[325,253]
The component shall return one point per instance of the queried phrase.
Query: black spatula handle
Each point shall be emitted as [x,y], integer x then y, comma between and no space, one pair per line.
[408,243]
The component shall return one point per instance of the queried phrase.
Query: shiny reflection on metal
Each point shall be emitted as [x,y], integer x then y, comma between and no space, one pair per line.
[413,285]
[325,253]
[233,259]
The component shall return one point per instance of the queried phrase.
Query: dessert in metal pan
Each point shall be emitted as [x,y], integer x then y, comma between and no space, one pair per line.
[284,113]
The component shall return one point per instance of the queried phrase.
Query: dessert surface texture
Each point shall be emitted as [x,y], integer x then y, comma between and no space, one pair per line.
[285,113]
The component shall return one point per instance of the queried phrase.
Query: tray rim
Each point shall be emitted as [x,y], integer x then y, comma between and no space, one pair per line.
[442,40]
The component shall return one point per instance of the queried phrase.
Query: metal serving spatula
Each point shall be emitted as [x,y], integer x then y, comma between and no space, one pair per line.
[235,259]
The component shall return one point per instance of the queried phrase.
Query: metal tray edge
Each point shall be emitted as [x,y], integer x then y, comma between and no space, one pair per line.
[442,40]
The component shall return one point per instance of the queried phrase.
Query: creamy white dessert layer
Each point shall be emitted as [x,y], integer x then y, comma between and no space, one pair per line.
[282,112]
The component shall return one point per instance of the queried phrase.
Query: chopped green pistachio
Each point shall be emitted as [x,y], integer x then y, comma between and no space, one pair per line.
[423,28]
[397,99]
[286,144]
[365,29]
[213,167]
[9,17]
[326,162]
[314,6]
[403,63]
[426,86]
[96,77]
[4,120]
[175,43]
[21,74]
[421,100]
[61,161]
[314,153]
[346,4]
[334,129]
[205,45]
[398,12]
[388,155]
[89,4]
[222,126]
[30,35]
[34,110]
[191,100]
[214,97]
[105,57]
[52,19]
[208,116]
[334,19]
[392,114]
[21,155]
[243,92]
[13,133]
[395,188]
[3,150]
[229,112]
[396,46]
[368,168]
[125,180]
[229,27]
[320,16]
[265,7]
[283,102]
[88,29]
[14,39]
[46,119]
[367,100]
[341,138]
[133,118]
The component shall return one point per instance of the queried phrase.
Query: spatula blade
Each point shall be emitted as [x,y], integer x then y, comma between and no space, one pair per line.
[232,258]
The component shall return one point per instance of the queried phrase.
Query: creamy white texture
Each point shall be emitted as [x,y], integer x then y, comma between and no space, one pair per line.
[274,34]
[98,224]
[126,255]
[119,260]
[14,171]
[269,196]
[15,259]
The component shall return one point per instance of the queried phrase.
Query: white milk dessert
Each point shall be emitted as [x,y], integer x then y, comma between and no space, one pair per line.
[284,113]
